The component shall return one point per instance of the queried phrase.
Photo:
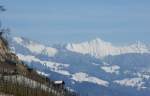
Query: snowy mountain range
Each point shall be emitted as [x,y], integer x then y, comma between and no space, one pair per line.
[93,68]
[100,48]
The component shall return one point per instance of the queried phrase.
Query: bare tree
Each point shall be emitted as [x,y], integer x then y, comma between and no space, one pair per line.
[4,32]
[2,9]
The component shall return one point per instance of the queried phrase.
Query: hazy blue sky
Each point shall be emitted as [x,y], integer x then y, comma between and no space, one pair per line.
[54,21]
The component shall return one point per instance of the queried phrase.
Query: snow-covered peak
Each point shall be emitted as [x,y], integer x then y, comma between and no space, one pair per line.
[140,46]
[34,47]
[100,48]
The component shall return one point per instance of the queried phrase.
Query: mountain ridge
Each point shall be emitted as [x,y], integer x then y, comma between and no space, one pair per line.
[98,44]
[83,71]
[100,48]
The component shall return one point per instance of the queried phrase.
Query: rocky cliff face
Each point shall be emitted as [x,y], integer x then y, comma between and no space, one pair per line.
[5,53]
[8,60]
[14,73]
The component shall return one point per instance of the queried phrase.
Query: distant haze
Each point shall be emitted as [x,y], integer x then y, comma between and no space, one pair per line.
[62,21]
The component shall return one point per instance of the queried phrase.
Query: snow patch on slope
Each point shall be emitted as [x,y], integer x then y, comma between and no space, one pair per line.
[111,69]
[18,40]
[131,82]
[42,73]
[56,67]
[83,77]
